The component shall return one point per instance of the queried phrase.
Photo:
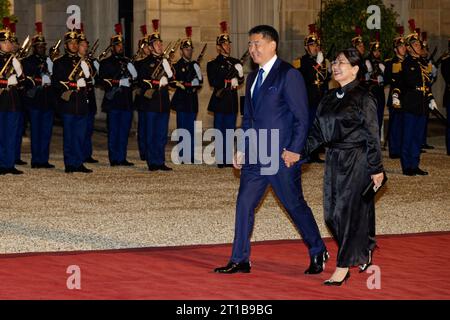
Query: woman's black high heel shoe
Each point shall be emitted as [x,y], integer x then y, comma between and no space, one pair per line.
[337,283]
[365,266]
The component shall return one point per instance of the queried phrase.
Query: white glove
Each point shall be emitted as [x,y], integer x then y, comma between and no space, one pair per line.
[380,79]
[395,100]
[234,83]
[432,104]
[132,70]
[12,80]
[382,67]
[167,68]
[163,82]
[195,83]
[96,65]
[46,80]
[81,83]
[198,71]
[84,66]
[434,71]
[369,66]
[320,58]
[50,65]
[240,69]
[124,82]
[17,66]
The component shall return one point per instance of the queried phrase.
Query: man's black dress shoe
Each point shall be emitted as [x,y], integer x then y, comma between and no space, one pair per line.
[337,283]
[125,163]
[318,263]
[409,172]
[20,162]
[394,156]
[69,169]
[91,160]
[83,169]
[152,167]
[42,166]
[114,163]
[427,146]
[220,166]
[14,171]
[232,267]
[420,172]
[163,167]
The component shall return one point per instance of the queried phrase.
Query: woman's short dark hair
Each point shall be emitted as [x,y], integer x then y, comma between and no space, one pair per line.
[268,32]
[354,57]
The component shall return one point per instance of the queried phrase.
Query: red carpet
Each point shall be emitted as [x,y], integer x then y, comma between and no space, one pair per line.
[412,267]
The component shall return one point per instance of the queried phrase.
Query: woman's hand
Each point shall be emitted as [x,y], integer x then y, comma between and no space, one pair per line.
[378,179]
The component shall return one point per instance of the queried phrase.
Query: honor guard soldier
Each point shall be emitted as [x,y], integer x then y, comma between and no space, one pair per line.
[70,73]
[392,78]
[39,100]
[23,115]
[154,74]
[11,76]
[375,77]
[185,100]
[316,73]
[94,66]
[433,72]
[445,71]
[144,51]
[225,75]
[117,74]
[415,99]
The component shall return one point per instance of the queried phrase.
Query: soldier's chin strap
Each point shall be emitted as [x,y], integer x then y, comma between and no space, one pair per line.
[224,52]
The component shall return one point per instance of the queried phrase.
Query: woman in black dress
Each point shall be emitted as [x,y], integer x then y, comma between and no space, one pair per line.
[346,124]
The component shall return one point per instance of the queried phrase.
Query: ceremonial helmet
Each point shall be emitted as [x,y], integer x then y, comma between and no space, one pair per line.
[155,35]
[38,38]
[358,38]
[313,36]
[375,45]
[5,33]
[70,35]
[224,36]
[12,28]
[144,39]
[187,43]
[400,39]
[118,37]
[81,34]
[414,33]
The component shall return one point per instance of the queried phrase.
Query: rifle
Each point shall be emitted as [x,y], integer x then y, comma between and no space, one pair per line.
[104,53]
[432,55]
[8,69]
[157,74]
[93,49]
[232,71]
[54,50]
[438,61]
[202,53]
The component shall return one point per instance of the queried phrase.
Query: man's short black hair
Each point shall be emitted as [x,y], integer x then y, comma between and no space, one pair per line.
[267,32]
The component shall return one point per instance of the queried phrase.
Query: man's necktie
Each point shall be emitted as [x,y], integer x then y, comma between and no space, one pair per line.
[257,85]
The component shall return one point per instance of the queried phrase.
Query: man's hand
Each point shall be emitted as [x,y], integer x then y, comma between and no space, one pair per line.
[81,83]
[163,81]
[396,101]
[320,58]
[290,158]
[238,160]
[234,83]
[432,105]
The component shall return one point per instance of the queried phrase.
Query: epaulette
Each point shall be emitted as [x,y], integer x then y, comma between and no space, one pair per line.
[297,63]
[396,67]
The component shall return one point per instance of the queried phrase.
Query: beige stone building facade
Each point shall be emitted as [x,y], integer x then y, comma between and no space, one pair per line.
[290,17]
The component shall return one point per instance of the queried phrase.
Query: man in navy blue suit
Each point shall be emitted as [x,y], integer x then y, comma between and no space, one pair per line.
[276,100]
